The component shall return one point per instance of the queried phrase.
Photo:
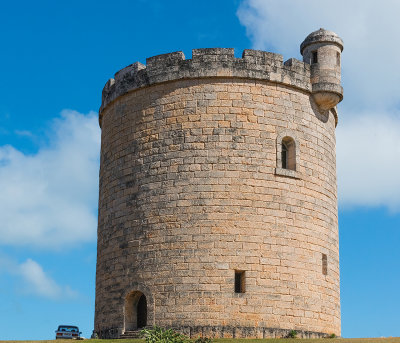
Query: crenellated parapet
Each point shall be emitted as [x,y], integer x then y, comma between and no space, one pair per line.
[206,63]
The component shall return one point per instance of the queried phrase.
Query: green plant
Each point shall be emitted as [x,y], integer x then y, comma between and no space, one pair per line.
[160,335]
[203,340]
[292,334]
[332,335]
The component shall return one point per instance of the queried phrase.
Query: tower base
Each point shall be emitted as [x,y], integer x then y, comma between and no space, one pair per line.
[226,332]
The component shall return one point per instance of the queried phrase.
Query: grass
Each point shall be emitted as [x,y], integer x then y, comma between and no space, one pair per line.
[227,340]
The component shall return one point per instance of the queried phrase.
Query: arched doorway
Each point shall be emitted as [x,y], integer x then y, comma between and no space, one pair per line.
[135,311]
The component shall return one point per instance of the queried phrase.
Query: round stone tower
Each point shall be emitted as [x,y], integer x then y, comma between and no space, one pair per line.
[218,202]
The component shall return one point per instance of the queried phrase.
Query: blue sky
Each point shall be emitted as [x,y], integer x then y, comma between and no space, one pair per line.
[56,57]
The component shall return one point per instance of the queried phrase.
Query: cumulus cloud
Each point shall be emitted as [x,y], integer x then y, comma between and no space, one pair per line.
[38,283]
[369,120]
[370,77]
[368,151]
[34,280]
[49,199]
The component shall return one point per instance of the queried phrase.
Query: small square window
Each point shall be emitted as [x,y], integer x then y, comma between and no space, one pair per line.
[324,264]
[239,281]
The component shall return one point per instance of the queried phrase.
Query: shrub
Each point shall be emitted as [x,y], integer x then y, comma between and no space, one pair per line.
[292,334]
[160,335]
[332,335]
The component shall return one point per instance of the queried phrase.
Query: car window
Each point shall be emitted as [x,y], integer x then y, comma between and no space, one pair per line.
[68,328]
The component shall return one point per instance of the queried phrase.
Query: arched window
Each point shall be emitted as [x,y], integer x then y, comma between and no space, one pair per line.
[288,162]
[288,153]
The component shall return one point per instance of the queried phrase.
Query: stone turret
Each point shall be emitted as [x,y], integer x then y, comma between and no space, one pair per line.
[322,50]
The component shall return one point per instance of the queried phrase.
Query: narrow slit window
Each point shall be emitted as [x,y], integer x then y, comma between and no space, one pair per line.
[239,281]
[338,58]
[324,264]
[314,57]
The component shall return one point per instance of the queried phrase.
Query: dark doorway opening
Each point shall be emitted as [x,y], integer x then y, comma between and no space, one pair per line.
[135,312]
[142,312]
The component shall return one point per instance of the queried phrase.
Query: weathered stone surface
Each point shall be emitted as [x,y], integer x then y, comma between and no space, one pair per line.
[322,49]
[192,188]
[213,62]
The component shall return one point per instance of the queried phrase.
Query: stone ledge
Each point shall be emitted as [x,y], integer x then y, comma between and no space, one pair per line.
[288,173]
[212,62]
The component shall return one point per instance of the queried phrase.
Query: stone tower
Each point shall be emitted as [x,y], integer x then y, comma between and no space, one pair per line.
[218,201]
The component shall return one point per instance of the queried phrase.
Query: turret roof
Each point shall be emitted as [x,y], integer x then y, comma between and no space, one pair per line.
[320,36]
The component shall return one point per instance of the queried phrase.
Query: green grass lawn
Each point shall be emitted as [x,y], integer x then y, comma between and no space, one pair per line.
[227,340]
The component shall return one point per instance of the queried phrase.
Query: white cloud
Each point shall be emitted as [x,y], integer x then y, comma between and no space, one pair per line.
[34,279]
[24,133]
[366,26]
[368,133]
[368,160]
[49,199]
[38,283]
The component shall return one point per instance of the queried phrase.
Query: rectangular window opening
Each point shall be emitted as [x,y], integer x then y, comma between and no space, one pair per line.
[324,264]
[239,281]
[314,57]
[338,58]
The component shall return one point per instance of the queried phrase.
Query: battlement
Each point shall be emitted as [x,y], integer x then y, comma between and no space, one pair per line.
[205,63]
